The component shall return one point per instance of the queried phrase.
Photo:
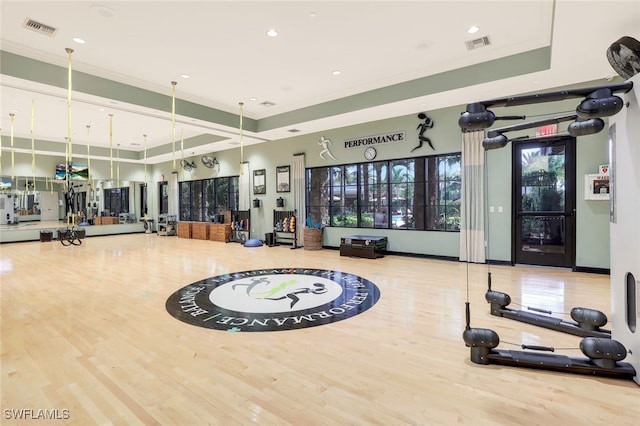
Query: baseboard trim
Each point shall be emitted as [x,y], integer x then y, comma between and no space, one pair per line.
[590,270]
[586,269]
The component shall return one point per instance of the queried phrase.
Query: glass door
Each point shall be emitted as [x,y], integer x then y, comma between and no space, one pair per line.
[544,202]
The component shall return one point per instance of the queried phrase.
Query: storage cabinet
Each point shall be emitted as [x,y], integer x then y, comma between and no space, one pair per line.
[370,247]
[220,232]
[184,229]
[200,230]
[106,220]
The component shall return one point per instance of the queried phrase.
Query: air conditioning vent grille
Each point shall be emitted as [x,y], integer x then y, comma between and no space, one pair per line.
[39,27]
[478,43]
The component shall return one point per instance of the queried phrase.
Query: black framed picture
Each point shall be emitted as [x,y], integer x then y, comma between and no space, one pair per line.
[259,181]
[283,178]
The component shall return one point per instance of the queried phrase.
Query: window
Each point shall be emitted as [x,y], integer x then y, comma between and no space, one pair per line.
[415,193]
[319,195]
[200,200]
[374,193]
[443,182]
[186,204]
[116,200]
[407,194]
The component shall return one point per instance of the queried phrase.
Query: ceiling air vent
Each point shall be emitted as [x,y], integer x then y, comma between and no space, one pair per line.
[478,43]
[38,27]
[267,104]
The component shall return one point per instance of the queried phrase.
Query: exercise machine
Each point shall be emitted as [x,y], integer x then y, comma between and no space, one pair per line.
[586,322]
[604,356]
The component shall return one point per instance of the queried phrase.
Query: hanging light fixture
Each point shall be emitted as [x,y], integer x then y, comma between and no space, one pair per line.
[182,162]
[118,168]
[145,160]
[173,120]
[88,153]
[69,144]
[12,116]
[33,145]
[111,145]
[241,142]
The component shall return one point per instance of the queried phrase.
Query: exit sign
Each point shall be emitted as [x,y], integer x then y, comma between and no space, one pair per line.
[549,129]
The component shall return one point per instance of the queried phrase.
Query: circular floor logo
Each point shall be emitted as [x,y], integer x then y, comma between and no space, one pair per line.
[273,299]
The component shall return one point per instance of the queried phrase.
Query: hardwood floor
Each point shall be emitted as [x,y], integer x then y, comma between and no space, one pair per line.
[85,329]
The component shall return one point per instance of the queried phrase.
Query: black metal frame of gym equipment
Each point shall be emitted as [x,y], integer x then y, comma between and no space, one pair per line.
[604,355]
[599,102]
[587,321]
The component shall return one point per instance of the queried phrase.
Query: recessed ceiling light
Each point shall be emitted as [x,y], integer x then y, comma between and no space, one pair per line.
[425,45]
[473,29]
[103,11]
[336,72]
[312,14]
[185,76]
[272,33]
[78,40]
[253,99]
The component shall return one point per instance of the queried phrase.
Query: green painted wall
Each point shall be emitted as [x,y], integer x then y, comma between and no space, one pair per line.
[592,234]
[592,228]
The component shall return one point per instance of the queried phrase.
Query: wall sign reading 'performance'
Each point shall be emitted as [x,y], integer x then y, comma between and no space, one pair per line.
[375,139]
[273,299]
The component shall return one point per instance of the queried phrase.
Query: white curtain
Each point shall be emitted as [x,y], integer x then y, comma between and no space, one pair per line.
[472,205]
[244,181]
[174,196]
[299,196]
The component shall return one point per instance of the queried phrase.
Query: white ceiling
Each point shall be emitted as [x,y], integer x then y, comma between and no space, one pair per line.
[223,46]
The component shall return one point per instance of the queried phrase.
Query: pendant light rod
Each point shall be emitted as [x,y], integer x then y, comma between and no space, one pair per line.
[173,121]
[241,142]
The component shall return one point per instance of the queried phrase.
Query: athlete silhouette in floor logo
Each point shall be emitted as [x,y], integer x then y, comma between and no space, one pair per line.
[270,294]
[423,127]
[254,282]
[319,289]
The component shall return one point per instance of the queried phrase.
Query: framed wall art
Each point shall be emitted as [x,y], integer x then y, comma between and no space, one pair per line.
[283,179]
[259,182]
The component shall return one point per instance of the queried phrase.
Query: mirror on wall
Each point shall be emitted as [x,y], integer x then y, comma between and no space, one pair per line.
[27,199]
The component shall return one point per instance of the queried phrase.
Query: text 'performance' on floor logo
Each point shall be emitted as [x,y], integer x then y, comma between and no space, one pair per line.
[273,299]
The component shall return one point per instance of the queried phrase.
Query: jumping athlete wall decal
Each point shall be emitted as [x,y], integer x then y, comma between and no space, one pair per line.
[423,127]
